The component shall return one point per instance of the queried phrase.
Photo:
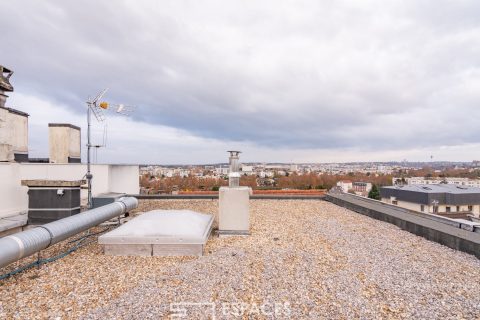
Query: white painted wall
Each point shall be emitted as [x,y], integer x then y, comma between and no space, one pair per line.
[75,143]
[13,197]
[429,209]
[345,185]
[13,134]
[6,149]
[106,178]
[118,181]
[19,132]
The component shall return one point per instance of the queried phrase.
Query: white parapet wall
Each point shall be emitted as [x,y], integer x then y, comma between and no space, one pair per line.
[14,198]
[106,178]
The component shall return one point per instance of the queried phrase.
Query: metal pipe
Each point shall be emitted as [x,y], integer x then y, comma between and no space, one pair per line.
[89,175]
[23,244]
[234,174]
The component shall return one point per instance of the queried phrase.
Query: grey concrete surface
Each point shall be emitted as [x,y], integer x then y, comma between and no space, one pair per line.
[435,228]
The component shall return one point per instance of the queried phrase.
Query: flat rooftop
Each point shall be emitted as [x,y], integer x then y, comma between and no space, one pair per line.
[436,188]
[444,193]
[322,260]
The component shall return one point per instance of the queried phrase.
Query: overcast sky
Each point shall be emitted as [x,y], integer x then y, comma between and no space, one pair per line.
[301,81]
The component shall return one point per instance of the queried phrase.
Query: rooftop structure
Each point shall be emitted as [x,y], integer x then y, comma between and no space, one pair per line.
[64,143]
[5,85]
[438,198]
[13,135]
[437,180]
[345,185]
[13,125]
[160,233]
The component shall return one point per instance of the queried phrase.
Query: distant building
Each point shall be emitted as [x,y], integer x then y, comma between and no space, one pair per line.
[247,169]
[222,170]
[345,185]
[444,199]
[362,188]
[448,180]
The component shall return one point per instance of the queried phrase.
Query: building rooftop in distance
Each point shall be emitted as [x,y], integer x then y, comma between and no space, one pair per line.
[436,188]
[424,194]
[15,111]
[311,259]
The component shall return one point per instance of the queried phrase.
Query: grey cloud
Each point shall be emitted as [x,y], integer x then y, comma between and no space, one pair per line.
[307,74]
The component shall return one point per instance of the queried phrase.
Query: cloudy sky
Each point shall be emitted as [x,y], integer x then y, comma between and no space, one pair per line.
[301,81]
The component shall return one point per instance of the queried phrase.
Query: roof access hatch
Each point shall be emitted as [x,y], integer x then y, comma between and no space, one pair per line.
[160,233]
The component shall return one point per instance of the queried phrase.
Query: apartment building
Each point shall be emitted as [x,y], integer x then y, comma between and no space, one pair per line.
[428,181]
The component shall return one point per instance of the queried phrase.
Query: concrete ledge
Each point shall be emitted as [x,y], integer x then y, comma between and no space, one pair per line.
[177,250]
[10,231]
[226,233]
[147,250]
[144,250]
[52,183]
[442,230]
[14,223]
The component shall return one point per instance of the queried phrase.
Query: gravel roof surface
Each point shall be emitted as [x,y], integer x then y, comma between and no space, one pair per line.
[304,259]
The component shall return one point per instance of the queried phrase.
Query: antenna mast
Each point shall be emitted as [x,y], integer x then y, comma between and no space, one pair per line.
[96,107]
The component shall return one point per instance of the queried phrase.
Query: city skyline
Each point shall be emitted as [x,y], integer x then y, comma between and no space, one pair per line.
[283,82]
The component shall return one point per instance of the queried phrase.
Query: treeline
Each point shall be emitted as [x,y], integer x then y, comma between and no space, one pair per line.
[444,173]
[169,184]
[327,181]
[292,181]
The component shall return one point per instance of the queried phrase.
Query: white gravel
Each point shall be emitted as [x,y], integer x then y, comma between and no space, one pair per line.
[310,259]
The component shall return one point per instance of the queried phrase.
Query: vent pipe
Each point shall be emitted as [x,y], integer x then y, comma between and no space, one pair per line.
[234,174]
[23,244]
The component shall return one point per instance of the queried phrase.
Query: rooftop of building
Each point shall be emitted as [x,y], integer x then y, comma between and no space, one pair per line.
[15,111]
[67,125]
[436,188]
[324,260]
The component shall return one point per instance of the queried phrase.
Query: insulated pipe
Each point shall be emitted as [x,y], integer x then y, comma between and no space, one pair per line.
[23,244]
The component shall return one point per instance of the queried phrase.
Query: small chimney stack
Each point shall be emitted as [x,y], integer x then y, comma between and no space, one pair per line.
[234,174]
[64,143]
[234,203]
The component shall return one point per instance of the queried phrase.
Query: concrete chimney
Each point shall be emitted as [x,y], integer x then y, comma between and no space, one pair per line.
[13,124]
[234,215]
[234,174]
[64,143]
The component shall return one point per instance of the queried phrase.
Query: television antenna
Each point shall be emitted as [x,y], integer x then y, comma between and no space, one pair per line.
[98,107]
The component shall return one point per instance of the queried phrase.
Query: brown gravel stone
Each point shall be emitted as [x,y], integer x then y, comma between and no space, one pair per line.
[321,259]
